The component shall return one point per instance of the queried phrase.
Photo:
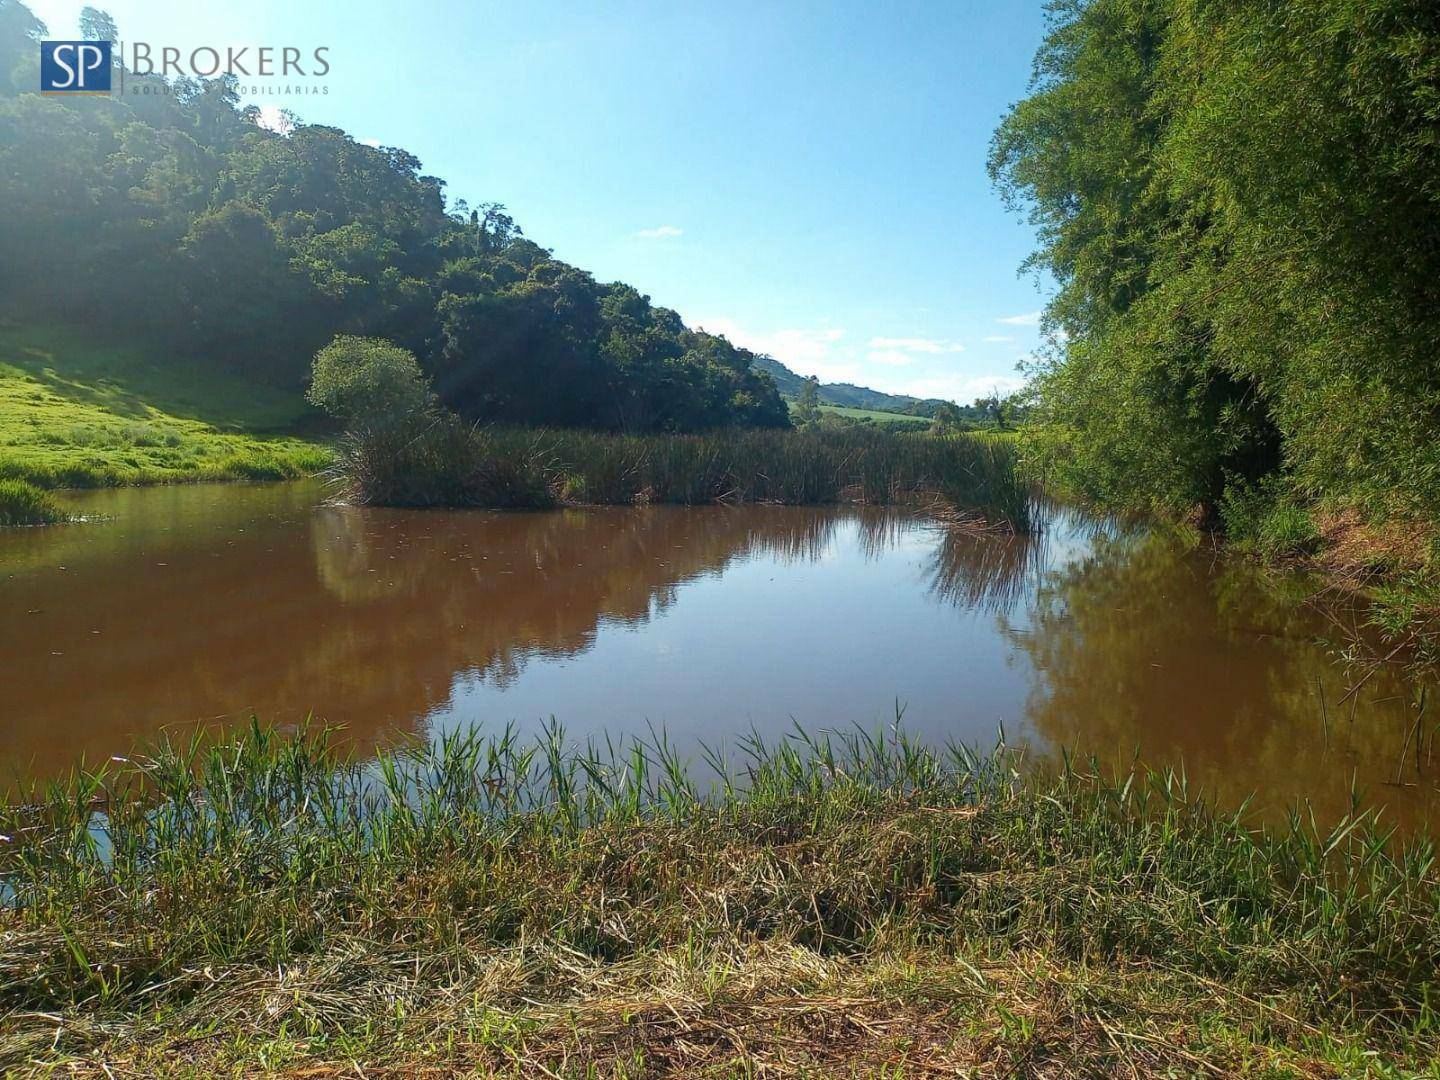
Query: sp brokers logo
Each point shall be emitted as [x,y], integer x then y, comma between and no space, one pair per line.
[75,67]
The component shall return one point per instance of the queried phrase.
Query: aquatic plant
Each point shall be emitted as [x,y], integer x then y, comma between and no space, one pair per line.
[22,503]
[440,462]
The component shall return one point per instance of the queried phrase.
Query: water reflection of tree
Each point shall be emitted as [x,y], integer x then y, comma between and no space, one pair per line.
[1146,645]
[364,617]
[999,573]
[485,595]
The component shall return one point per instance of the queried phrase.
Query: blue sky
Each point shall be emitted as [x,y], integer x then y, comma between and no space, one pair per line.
[808,178]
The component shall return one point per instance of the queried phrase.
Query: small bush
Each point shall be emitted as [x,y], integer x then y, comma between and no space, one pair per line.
[22,503]
[369,382]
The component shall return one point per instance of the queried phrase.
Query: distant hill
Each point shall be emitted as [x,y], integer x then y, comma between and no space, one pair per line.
[846,394]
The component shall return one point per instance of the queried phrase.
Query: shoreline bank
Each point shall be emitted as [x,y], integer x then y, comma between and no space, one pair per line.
[858,902]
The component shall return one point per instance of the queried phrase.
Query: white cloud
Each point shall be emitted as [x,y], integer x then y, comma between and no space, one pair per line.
[806,352]
[999,337]
[961,388]
[1004,384]
[660,232]
[374,144]
[1031,318]
[915,366]
[916,345]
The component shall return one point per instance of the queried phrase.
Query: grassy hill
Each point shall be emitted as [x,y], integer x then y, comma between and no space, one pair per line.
[74,413]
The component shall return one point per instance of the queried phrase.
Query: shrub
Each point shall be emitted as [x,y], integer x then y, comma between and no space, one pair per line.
[369,381]
[1265,519]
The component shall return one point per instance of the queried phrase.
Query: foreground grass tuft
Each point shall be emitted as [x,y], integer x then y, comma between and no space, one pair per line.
[858,905]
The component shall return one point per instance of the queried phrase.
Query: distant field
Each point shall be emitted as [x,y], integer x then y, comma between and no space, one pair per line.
[77,414]
[870,414]
[875,414]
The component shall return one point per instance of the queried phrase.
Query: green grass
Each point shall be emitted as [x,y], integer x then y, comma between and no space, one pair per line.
[889,419]
[858,905]
[446,463]
[25,504]
[77,414]
[874,414]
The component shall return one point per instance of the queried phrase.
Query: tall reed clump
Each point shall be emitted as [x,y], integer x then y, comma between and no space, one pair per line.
[440,461]
[444,464]
[22,503]
[510,901]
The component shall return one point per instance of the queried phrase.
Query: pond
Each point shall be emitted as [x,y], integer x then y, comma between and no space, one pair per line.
[204,605]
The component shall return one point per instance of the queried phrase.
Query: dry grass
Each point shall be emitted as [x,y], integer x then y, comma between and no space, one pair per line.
[757,1010]
[1395,565]
[1355,547]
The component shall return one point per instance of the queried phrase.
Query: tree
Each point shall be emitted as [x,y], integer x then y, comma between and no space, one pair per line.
[368,382]
[96,25]
[1238,203]
[807,404]
[996,407]
[946,418]
[19,31]
[239,290]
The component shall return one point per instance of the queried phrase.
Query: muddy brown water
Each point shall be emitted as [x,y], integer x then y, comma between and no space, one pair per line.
[174,607]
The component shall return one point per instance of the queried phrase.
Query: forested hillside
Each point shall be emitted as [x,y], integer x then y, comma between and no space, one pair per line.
[1241,203]
[173,219]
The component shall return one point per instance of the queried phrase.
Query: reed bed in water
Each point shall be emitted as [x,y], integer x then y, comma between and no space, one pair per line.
[971,479]
[857,904]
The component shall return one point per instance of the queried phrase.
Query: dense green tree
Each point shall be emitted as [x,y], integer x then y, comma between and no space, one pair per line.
[19,58]
[997,408]
[239,289]
[97,25]
[1238,201]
